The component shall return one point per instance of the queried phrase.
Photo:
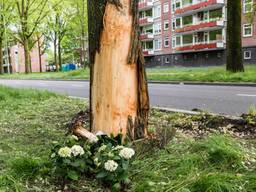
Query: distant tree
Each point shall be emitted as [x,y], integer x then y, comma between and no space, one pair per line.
[81,27]
[30,13]
[58,26]
[234,39]
[5,18]
[119,94]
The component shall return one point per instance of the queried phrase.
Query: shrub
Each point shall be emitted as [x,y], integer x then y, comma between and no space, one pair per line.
[106,159]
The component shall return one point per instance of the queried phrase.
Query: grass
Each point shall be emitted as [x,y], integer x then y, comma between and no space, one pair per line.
[31,121]
[196,74]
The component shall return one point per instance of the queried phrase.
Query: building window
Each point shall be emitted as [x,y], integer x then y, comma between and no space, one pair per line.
[166,42]
[247,6]
[219,55]
[157,28]
[158,44]
[247,55]
[157,11]
[247,30]
[173,42]
[166,25]
[166,7]
[167,60]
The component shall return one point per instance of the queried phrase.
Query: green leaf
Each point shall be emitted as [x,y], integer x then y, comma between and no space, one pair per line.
[73,175]
[101,175]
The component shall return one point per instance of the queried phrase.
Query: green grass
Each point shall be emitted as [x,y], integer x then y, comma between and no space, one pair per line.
[202,74]
[196,74]
[32,121]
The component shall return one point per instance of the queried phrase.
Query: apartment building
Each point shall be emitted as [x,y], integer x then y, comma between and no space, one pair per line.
[14,59]
[191,32]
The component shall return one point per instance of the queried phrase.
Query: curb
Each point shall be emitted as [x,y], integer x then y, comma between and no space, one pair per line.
[162,82]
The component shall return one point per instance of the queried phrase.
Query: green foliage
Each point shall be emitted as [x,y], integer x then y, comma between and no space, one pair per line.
[105,159]
[196,74]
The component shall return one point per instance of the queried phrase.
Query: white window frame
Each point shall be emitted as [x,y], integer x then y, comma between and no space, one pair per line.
[159,41]
[166,39]
[157,28]
[250,55]
[244,6]
[167,58]
[166,22]
[158,13]
[166,7]
[245,26]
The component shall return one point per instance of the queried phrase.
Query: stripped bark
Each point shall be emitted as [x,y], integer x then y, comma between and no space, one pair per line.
[119,101]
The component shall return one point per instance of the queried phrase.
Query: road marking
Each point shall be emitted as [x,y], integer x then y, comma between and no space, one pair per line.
[246,95]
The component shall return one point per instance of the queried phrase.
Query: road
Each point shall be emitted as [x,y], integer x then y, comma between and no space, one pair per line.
[229,100]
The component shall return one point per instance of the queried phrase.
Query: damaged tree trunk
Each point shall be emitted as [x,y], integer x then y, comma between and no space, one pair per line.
[119,101]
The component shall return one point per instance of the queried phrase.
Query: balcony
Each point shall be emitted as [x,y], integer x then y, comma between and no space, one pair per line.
[147,37]
[148,4]
[148,52]
[200,46]
[202,6]
[204,26]
[146,21]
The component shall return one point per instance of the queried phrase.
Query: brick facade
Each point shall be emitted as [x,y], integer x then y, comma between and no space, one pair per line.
[17,60]
[196,34]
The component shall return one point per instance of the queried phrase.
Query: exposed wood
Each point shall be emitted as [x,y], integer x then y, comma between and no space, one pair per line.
[119,96]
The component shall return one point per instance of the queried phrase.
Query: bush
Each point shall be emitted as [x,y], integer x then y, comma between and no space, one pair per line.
[106,159]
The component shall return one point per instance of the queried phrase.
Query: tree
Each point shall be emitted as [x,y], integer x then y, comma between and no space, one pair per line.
[5,18]
[58,25]
[30,14]
[81,24]
[119,100]
[234,41]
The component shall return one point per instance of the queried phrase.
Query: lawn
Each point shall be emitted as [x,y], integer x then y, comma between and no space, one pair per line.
[195,74]
[197,157]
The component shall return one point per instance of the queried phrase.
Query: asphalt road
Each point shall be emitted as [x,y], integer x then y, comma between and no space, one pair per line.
[229,100]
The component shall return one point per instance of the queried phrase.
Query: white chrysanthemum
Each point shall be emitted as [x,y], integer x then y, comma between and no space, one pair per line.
[77,150]
[74,137]
[64,152]
[127,153]
[110,165]
[102,148]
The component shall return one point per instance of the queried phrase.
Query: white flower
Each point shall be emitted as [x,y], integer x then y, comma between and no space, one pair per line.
[74,137]
[127,153]
[93,139]
[77,150]
[110,165]
[102,148]
[64,152]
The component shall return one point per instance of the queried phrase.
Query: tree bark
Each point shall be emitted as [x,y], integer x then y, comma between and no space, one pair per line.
[119,101]
[59,54]
[27,56]
[1,58]
[234,39]
[39,55]
[55,54]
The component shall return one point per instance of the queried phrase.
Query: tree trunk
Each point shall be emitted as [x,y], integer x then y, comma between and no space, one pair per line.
[55,54]
[234,45]
[39,55]
[119,100]
[27,56]
[1,58]
[59,54]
